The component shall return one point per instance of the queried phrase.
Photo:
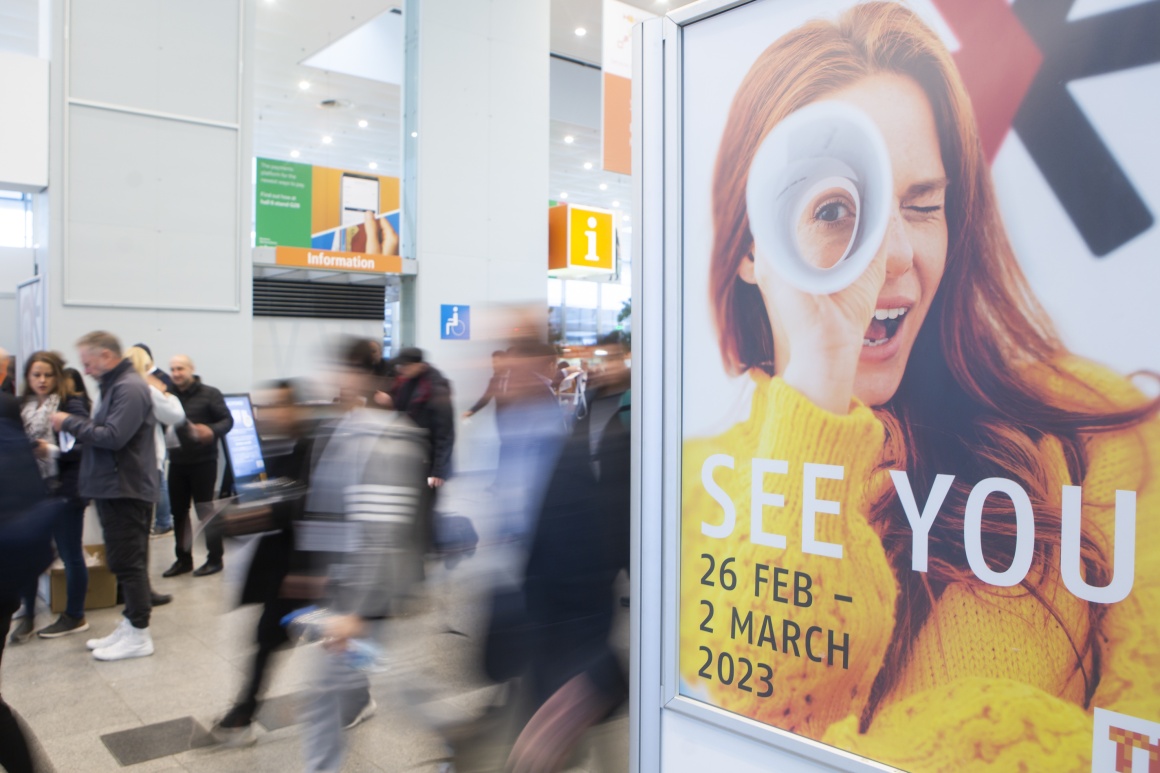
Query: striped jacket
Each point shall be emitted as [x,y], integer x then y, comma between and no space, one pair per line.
[368,475]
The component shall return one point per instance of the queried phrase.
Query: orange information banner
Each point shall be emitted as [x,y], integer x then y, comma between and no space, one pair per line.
[332,260]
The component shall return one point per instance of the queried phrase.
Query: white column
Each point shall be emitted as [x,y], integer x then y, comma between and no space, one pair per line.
[477,98]
[149,180]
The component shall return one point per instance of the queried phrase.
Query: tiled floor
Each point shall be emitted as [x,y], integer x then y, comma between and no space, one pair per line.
[202,645]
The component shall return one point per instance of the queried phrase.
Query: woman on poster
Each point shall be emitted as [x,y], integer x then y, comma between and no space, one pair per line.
[936,361]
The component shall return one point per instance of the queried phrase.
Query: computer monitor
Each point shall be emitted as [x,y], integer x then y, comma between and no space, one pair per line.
[243,445]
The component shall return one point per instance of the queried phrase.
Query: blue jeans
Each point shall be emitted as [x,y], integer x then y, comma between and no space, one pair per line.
[163,515]
[68,534]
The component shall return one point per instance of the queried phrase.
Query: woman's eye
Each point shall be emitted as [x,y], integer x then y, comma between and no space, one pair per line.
[832,211]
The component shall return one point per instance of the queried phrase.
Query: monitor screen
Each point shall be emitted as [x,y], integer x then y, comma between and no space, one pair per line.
[242,441]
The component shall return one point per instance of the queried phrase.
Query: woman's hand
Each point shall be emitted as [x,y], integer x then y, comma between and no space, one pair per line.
[41,450]
[823,333]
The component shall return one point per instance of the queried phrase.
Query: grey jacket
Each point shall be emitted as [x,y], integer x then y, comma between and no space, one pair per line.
[369,473]
[119,461]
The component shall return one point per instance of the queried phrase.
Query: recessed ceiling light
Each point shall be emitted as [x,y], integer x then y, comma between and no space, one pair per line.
[615,204]
[626,218]
[587,164]
[564,195]
[363,124]
[569,139]
[581,32]
[304,85]
[327,139]
[373,165]
[414,134]
[294,154]
[603,186]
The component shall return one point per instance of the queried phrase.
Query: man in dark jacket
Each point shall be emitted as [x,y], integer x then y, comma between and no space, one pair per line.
[119,472]
[424,395]
[193,465]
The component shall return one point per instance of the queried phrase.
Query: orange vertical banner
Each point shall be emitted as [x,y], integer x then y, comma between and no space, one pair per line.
[619,19]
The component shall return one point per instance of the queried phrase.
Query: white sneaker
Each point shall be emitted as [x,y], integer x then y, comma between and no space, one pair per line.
[134,643]
[118,632]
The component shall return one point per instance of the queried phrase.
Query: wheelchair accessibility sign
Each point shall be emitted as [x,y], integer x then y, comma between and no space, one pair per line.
[455,322]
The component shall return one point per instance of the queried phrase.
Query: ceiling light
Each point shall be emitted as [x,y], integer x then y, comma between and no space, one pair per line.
[626,218]
[581,32]
[414,134]
[294,154]
[587,164]
[373,165]
[304,85]
[616,205]
[362,124]
[327,139]
[564,195]
[569,139]
[603,186]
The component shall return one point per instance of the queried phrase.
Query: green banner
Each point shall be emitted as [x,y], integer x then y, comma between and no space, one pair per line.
[284,191]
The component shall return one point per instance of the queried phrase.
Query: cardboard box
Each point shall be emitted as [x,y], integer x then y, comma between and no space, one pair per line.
[102,583]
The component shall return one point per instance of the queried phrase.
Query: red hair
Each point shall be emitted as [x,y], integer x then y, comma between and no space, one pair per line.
[964,404]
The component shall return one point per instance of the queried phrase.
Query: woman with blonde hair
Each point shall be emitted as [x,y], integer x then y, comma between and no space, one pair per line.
[58,456]
[166,407]
[958,371]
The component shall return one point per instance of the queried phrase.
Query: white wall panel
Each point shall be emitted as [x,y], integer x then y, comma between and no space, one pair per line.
[24,128]
[164,56]
[147,224]
[144,211]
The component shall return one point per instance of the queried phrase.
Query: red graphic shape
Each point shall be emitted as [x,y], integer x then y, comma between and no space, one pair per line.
[1126,741]
[998,61]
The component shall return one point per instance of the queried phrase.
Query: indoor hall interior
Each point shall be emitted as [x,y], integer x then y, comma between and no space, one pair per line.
[153,715]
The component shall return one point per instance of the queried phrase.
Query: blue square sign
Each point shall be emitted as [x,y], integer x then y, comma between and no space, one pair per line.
[455,322]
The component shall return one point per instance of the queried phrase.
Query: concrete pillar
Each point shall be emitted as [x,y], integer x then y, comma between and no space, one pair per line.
[475,178]
[147,231]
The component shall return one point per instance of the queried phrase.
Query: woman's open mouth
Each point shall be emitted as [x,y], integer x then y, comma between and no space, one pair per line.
[884,326]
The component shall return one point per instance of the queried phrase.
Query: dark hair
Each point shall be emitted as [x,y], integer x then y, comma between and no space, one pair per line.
[359,354]
[409,355]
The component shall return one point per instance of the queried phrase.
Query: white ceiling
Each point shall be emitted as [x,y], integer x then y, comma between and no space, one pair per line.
[287,32]
[290,31]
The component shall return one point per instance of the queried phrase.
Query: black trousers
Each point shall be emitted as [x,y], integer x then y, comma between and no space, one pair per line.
[14,754]
[192,483]
[125,523]
[271,635]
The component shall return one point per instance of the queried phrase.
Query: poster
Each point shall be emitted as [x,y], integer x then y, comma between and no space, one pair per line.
[919,505]
[319,217]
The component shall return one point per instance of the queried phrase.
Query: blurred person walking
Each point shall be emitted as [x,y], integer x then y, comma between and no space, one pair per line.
[535,431]
[119,472]
[26,517]
[279,576]
[193,465]
[369,474]
[58,457]
[423,394]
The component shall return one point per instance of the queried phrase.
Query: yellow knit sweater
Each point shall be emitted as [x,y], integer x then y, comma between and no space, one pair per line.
[991,683]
